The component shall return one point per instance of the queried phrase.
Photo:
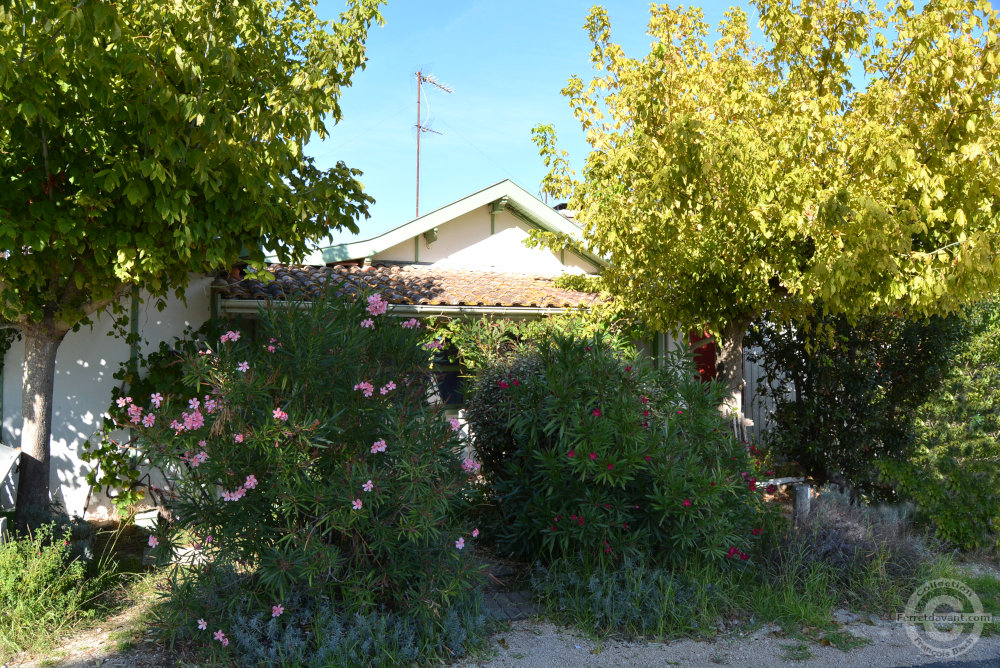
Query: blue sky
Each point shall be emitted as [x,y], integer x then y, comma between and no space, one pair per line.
[506,60]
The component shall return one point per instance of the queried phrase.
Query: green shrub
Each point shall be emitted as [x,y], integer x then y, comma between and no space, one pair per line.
[42,589]
[634,598]
[850,392]
[307,461]
[605,458]
[954,472]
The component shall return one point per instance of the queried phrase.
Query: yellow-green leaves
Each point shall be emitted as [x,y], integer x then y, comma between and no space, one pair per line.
[729,179]
[141,141]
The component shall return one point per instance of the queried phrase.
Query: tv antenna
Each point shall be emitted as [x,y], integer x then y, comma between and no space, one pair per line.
[421,128]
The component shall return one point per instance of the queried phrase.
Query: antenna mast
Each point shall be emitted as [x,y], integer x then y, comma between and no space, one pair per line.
[421,80]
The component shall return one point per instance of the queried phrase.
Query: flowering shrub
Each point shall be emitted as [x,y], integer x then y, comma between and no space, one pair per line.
[306,461]
[607,458]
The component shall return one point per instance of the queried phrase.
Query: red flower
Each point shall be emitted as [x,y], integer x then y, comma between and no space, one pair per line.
[515,382]
[625,525]
[610,466]
[597,412]
[680,412]
[593,456]
[644,399]
[771,488]
[732,551]
[711,484]
[628,369]
[588,348]
[756,532]
[503,385]
[571,454]
[686,503]
[647,458]
[552,528]
[744,556]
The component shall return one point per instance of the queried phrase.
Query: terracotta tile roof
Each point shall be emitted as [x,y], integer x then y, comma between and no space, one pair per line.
[410,284]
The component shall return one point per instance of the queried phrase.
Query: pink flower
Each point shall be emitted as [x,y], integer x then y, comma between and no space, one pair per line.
[210,405]
[123,401]
[230,336]
[238,438]
[202,624]
[378,446]
[434,345]
[276,610]
[368,323]
[243,366]
[593,456]
[280,415]
[455,424]
[387,388]
[597,412]
[194,404]
[225,642]
[367,486]
[686,503]
[470,466]
[156,399]
[680,412]
[148,420]
[270,349]
[412,323]
[177,426]
[475,533]
[153,541]
[251,482]
[219,635]
[377,305]
[460,543]
[365,387]
[357,504]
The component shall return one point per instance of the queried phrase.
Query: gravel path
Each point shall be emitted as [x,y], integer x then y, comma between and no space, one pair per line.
[538,644]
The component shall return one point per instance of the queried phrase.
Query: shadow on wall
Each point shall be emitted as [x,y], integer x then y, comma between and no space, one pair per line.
[85,368]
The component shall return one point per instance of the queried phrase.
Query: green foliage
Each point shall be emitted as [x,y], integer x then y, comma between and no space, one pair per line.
[476,343]
[143,142]
[731,179]
[317,632]
[955,467]
[307,461]
[127,130]
[846,402]
[42,588]
[607,459]
[635,598]
[118,469]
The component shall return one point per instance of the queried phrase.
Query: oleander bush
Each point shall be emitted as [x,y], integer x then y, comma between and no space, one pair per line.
[587,451]
[314,483]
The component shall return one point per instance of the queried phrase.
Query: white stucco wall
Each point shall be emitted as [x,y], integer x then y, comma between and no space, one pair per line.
[85,364]
[465,242]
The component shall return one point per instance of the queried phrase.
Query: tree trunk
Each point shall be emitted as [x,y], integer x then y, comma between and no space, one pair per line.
[729,368]
[40,346]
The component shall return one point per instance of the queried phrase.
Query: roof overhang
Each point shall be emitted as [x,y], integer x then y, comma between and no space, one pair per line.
[253,306]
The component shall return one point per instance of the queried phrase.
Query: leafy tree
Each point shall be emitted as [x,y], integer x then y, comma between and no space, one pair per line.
[847,403]
[725,181]
[141,141]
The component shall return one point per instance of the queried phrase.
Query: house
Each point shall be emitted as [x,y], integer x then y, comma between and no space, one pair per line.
[465,259]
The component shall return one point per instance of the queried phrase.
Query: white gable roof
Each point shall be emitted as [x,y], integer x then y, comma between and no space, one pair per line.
[515,198]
